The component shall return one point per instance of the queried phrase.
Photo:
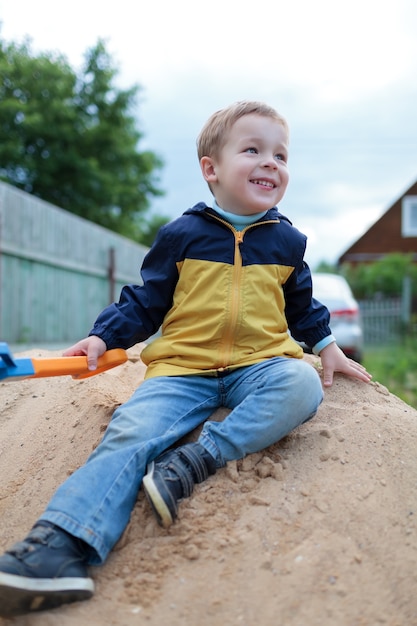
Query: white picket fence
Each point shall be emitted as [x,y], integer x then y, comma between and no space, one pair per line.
[383,320]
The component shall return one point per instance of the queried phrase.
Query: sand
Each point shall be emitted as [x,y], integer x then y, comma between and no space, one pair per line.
[317,530]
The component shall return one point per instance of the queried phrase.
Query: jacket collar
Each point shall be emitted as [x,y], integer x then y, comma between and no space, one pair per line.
[201,208]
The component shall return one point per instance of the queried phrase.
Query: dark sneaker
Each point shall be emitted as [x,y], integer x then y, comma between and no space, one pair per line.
[171,477]
[43,571]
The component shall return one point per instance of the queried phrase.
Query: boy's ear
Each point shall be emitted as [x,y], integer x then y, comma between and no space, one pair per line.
[208,169]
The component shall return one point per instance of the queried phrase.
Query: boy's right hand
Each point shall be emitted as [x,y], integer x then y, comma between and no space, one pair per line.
[92,347]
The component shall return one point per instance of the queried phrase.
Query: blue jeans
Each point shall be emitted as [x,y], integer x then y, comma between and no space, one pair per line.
[267,401]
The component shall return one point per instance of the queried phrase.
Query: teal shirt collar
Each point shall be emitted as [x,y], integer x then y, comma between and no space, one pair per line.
[238,221]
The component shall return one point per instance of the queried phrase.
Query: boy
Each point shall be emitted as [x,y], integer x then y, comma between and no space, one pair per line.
[226,283]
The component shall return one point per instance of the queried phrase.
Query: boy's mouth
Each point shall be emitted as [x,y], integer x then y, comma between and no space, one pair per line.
[263,183]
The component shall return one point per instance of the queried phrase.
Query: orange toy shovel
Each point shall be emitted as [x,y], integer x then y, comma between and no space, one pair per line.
[75,366]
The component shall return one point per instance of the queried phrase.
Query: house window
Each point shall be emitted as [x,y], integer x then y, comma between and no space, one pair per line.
[409,216]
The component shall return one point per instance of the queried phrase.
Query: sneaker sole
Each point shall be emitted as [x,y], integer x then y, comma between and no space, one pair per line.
[162,512]
[19,594]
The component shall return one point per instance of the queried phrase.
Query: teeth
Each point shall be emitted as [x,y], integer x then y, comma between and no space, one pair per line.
[264,183]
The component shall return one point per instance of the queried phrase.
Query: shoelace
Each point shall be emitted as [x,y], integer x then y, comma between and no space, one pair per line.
[39,535]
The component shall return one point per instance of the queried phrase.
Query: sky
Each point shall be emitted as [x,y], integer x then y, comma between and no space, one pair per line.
[343,74]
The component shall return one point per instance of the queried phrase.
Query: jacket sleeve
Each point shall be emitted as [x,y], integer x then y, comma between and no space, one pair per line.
[141,308]
[308,319]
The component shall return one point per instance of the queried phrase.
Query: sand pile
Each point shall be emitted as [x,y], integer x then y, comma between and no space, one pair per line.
[317,530]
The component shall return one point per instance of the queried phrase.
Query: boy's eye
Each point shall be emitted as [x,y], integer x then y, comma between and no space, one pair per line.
[280,157]
[252,150]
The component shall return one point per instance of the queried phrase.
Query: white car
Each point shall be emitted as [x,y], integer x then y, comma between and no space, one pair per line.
[334,292]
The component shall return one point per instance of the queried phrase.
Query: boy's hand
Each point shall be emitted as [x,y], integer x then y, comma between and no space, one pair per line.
[334,360]
[92,347]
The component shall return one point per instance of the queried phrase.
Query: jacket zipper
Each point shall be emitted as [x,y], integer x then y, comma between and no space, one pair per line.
[228,336]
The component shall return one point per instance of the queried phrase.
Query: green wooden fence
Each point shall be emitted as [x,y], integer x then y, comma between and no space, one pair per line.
[57,270]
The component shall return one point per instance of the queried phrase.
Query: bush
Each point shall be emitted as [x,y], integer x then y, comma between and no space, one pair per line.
[383,278]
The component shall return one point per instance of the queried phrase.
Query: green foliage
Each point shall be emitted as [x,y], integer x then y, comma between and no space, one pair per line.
[326,268]
[395,367]
[149,229]
[72,140]
[384,277]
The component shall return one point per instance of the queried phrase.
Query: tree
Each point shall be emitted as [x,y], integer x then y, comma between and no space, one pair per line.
[149,229]
[72,140]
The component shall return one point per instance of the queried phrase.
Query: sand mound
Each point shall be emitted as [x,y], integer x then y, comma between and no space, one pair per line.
[317,530]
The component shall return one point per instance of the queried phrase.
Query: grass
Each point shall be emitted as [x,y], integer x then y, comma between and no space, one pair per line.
[395,367]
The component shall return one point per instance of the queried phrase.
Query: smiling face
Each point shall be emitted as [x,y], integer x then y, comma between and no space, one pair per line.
[250,173]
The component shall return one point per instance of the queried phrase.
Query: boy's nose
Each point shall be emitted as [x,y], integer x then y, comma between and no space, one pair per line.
[270,162]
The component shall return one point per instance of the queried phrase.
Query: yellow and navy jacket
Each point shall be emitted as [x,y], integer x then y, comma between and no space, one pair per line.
[223,298]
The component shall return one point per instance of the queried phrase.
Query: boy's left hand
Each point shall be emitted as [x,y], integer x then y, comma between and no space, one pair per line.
[334,360]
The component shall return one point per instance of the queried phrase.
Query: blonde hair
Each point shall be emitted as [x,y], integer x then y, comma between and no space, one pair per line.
[213,135]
